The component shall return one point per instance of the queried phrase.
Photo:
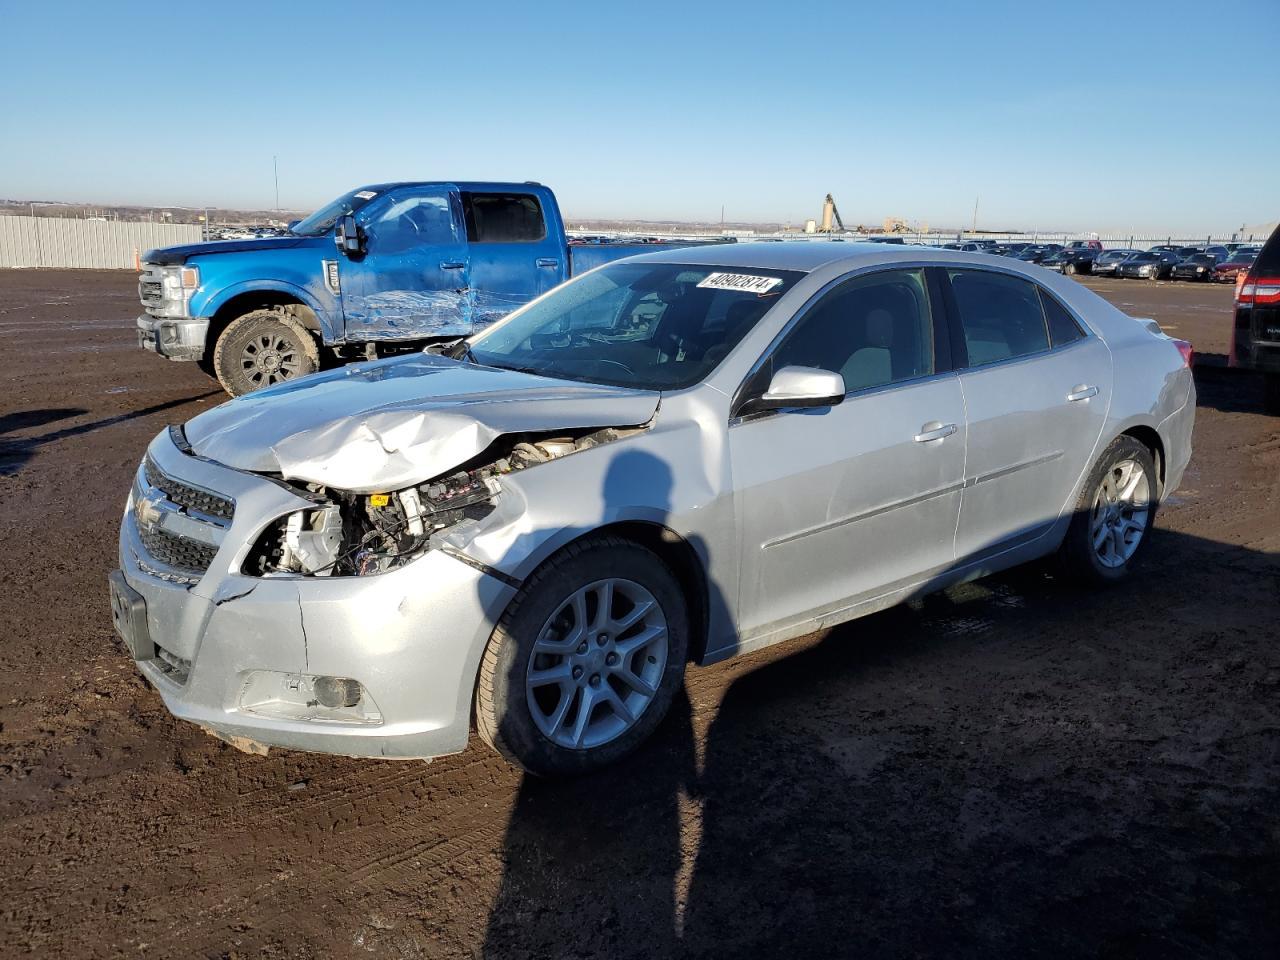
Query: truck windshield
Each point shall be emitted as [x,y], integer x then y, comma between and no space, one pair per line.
[652,326]
[322,221]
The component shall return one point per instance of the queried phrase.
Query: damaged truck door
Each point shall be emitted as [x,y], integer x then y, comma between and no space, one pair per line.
[410,277]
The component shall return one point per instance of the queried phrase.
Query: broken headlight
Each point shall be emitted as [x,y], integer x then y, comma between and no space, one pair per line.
[362,534]
[355,535]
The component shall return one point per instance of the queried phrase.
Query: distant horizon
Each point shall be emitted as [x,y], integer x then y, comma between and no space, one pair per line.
[572,218]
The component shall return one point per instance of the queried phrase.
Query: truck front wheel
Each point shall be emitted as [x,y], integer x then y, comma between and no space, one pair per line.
[262,348]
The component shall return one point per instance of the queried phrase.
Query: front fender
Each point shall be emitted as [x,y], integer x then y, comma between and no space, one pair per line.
[208,301]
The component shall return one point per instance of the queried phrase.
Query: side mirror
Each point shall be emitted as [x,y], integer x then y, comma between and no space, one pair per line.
[349,237]
[802,387]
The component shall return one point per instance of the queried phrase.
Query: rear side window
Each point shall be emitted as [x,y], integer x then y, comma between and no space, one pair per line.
[503,218]
[1000,315]
[1063,328]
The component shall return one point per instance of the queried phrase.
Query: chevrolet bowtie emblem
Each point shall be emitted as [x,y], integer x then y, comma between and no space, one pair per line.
[147,510]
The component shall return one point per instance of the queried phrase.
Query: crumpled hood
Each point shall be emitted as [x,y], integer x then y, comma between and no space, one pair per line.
[180,254]
[385,425]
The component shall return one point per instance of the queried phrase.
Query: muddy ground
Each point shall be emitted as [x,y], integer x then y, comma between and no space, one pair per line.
[1015,768]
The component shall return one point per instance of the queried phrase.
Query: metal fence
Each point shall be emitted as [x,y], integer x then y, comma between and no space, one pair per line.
[88,244]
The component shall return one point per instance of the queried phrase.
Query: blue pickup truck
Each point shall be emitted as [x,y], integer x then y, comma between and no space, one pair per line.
[385,268]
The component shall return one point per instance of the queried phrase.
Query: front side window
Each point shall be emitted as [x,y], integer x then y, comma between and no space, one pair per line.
[503,218]
[1000,315]
[873,330]
[654,326]
[411,221]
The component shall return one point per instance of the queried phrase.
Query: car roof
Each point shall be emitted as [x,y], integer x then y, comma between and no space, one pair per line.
[800,255]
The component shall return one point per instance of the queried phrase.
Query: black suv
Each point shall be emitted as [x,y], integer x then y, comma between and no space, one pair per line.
[1255,339]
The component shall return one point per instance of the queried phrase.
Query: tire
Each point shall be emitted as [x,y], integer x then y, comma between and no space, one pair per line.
[263,348]
[1095,514]
[532,725]
[1271,393]
[1069,269]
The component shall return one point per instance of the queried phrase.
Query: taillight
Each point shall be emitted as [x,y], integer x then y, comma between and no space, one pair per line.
[1251,290]
[1184,348]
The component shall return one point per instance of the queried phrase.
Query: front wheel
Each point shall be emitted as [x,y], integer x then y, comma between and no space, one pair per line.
[1113,515]
[1069,269]
[584,664]
[263,348]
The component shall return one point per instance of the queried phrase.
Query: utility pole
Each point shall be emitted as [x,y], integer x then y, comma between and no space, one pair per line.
[975,215]
[722,219]
[275,167]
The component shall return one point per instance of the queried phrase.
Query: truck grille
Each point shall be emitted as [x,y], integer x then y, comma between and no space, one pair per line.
[175,551]
[189,497]
[150,286]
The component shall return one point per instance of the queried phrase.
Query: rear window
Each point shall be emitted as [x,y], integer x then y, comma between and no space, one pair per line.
[1268,262]
[503,218]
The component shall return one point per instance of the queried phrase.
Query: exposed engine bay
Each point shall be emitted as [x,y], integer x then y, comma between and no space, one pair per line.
[360,534]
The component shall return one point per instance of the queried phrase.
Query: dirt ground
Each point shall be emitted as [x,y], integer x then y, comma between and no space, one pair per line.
[1014,768]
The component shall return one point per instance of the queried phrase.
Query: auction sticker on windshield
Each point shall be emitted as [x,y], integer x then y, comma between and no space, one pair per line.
[739,281]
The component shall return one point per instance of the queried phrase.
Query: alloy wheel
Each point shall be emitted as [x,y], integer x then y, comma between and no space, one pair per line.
[1121,511]
[597,664]
[270,358]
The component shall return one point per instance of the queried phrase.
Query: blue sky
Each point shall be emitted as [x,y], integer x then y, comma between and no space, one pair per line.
[1075,115]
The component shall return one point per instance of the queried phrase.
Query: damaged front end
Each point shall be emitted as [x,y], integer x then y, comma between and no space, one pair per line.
[351,534]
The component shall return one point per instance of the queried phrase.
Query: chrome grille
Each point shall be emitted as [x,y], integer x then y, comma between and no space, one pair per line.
[187,496]
[150,286]
[175,551]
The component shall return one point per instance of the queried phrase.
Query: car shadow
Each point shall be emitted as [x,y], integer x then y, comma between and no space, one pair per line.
[1013,766]
[16,451]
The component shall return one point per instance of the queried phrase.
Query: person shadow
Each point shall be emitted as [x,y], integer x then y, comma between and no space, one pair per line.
[590,863]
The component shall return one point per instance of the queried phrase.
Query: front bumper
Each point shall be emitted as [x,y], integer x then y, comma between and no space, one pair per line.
[178,338]
[412,637]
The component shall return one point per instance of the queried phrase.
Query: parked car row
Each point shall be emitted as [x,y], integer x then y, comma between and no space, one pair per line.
[1169,261]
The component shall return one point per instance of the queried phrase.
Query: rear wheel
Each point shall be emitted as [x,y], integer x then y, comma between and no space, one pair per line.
[1113,515]
[263,348]
[585,662]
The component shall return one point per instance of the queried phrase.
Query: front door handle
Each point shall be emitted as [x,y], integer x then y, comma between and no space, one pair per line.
[548,262]
[1082,391]
[451,264]
[935,430]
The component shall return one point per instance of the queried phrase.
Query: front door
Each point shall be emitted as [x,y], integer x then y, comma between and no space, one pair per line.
[1036,390]
[848,502]
[412,281]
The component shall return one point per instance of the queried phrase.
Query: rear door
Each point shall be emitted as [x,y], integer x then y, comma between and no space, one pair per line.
[514,255]
[1036,388]
[411,281]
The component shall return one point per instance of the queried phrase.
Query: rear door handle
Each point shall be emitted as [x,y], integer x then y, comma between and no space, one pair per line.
[548,262]
[935,430]
[1082,391]
[451,264]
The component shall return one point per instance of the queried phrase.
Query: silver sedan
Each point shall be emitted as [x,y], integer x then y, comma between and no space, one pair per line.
[674,458]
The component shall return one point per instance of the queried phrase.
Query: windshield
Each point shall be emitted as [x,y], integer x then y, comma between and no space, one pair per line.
[652,326]
[322,221]
[1202,258]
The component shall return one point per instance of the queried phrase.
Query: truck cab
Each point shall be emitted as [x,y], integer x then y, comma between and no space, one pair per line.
[383,268]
